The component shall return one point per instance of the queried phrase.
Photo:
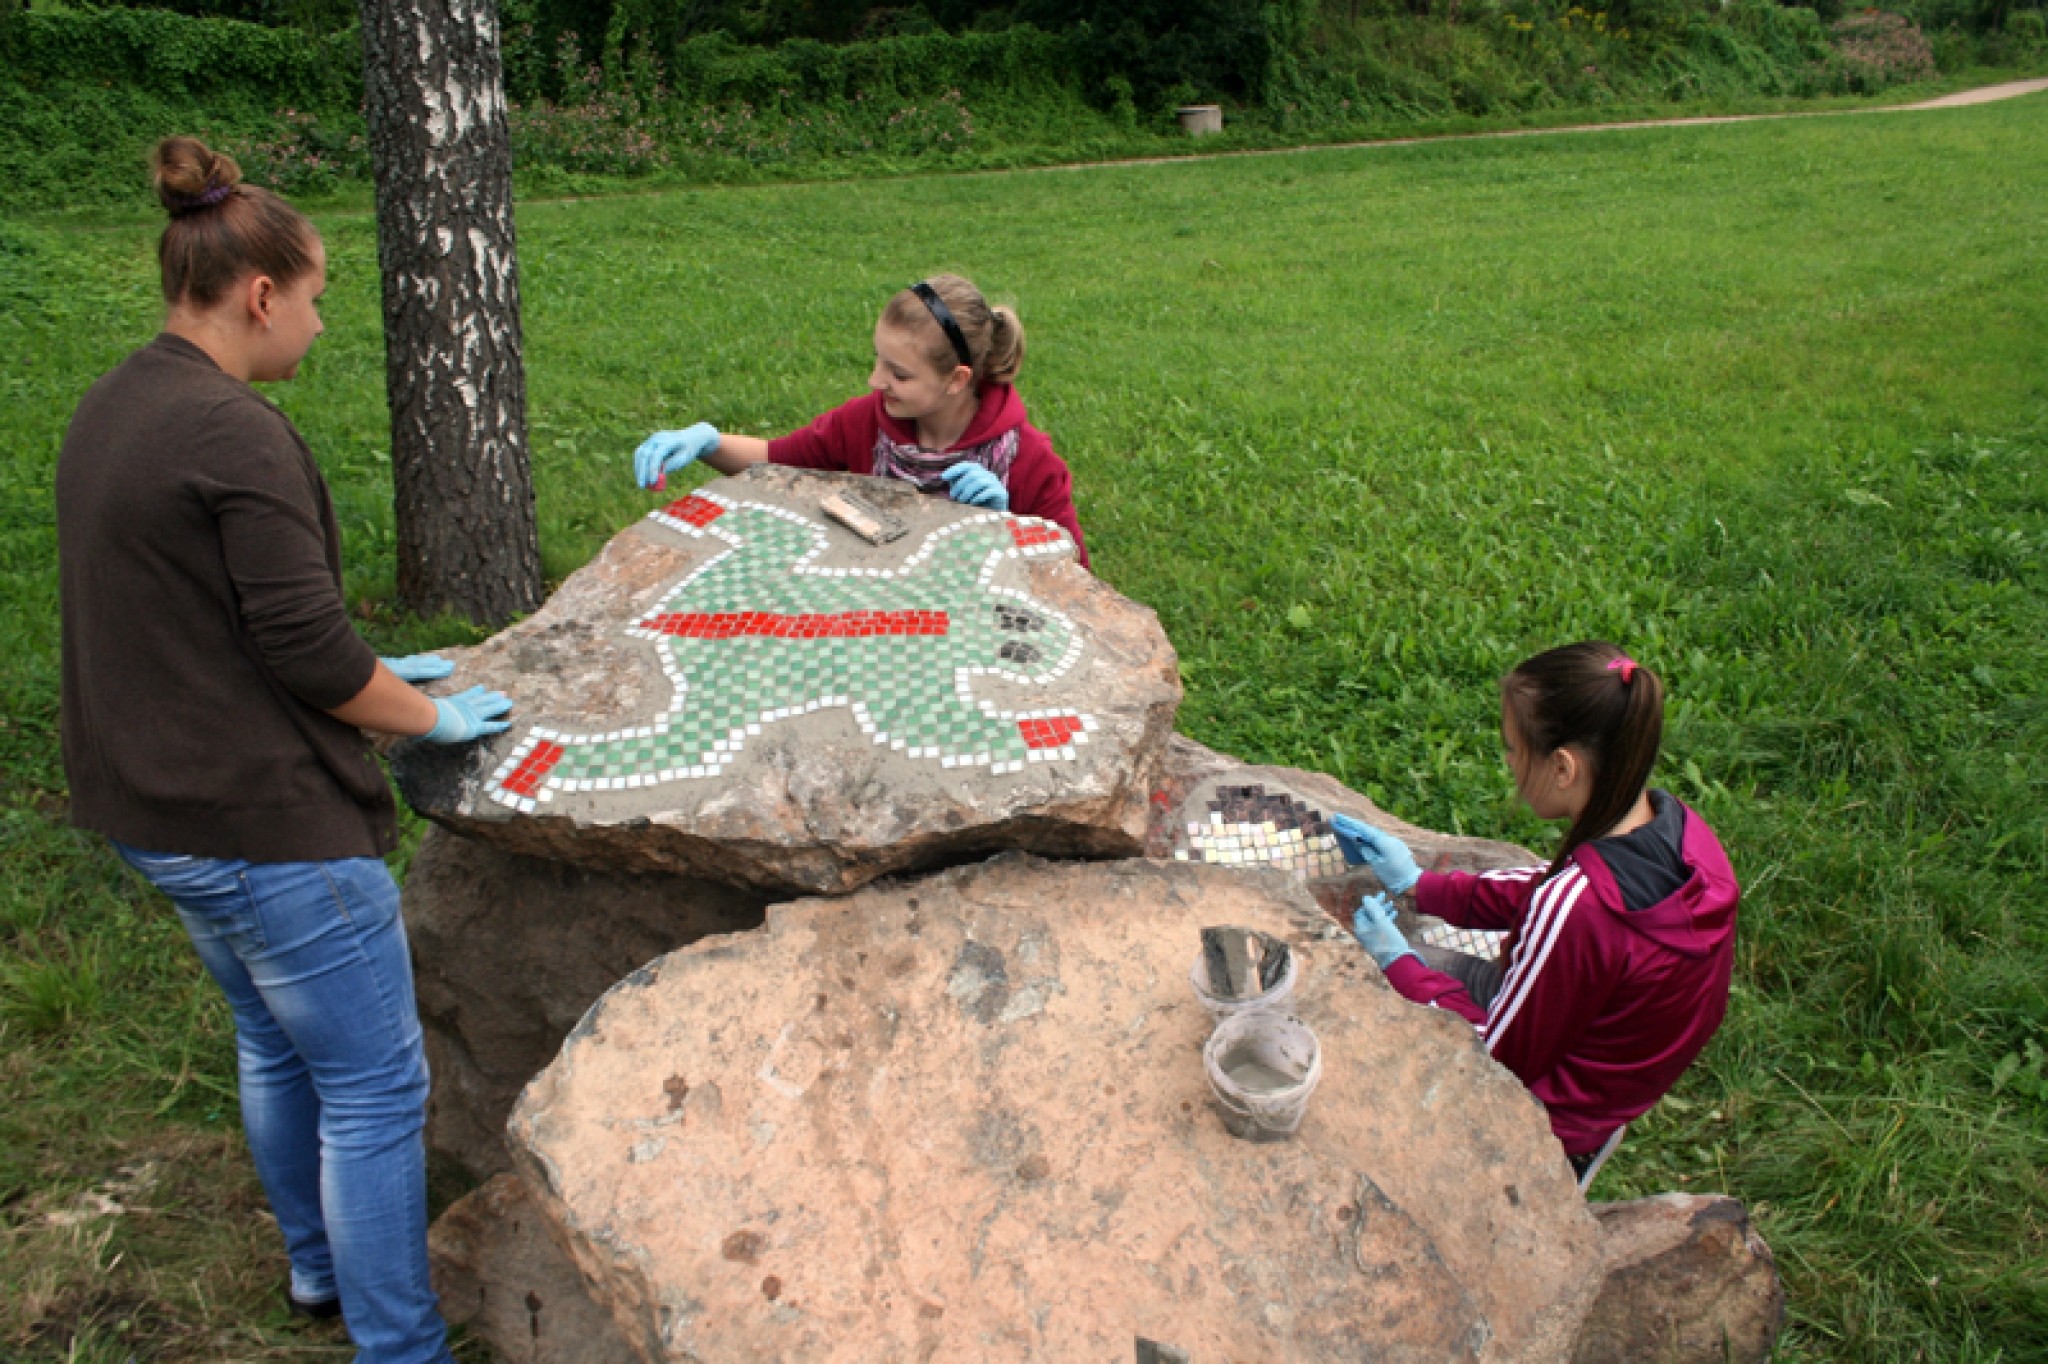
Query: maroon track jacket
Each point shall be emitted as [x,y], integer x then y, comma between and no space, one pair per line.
[1602,1007]
[844,440]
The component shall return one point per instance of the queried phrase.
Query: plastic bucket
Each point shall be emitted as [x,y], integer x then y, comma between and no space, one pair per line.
[1263,1067]
[1221,1006]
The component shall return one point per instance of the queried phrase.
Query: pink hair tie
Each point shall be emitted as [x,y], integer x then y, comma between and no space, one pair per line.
[1624,665]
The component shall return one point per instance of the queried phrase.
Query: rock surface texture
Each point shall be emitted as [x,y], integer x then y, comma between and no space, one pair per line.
[967,1118]
[507,954]
[1688,1282]
[740,689]
[501,1278]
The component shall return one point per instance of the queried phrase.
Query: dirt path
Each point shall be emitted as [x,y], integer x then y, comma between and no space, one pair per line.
[1985,94]
[1982,95]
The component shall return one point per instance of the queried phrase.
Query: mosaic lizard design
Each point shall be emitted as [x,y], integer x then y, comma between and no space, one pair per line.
[762,633]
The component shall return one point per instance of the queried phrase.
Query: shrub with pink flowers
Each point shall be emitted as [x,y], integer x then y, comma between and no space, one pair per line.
[590,139]
[1877,49]
[305,152]
[622,118]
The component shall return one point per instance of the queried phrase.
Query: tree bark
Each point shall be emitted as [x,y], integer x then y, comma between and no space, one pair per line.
[433,95]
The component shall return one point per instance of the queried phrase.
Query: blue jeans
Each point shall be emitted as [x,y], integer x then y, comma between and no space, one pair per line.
[313,960]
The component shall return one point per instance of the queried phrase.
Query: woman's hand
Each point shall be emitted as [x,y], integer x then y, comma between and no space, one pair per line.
[1373,923]
[1387,856]
[417,668]
[664,452]
[976,487]
[468,715]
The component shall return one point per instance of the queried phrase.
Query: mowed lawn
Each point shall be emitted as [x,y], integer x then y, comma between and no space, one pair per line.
[1766,404]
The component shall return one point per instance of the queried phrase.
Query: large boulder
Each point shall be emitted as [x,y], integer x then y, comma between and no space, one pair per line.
[509,951]
[1688,1281]
[968,1118]
[740,689]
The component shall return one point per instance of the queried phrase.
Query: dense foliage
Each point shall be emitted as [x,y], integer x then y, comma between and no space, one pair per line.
[675,92]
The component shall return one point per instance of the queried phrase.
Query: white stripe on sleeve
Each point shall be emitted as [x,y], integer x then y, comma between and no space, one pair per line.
[1554,907]
[1530,937]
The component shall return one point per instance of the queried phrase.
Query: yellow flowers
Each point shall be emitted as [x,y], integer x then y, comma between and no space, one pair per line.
[1595,20]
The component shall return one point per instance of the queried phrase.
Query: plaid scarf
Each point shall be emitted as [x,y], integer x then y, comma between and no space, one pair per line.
[917,465]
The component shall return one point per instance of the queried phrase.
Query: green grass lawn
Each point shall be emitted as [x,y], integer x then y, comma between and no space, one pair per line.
[1766,404]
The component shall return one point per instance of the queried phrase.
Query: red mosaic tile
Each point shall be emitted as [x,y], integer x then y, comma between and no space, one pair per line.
[698,511]
[761,624]
[1052,732]
[525,779]
[1028,533]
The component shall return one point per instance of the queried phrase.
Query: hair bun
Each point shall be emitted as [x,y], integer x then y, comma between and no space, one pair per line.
[191,177]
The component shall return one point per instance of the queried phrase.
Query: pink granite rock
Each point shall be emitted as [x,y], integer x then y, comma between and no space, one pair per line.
[968,1118]
[509,951]
[504,1281]
[739,689]
[1689,1281]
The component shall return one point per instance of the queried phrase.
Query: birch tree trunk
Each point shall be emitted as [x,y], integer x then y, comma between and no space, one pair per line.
[455,376]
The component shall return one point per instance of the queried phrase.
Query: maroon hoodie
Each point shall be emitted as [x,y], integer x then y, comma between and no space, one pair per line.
[1604,1002]
[844,439]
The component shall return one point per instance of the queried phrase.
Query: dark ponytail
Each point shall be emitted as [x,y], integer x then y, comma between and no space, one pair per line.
[1597,699]
[221,230]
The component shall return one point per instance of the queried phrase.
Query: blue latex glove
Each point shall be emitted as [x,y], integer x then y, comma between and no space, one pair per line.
[1386,855]
[664,452]
[468,715]
[419,667]
[1373,922]
[977,487]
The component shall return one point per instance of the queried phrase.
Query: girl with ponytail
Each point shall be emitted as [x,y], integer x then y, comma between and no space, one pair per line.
[1614,973]
[942,412]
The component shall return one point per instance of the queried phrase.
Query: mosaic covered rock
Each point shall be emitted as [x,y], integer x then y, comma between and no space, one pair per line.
[1219,810]
[509,951]
[740,688]
[967,1118]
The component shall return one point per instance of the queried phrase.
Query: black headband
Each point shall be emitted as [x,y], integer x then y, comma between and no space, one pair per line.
[943,315]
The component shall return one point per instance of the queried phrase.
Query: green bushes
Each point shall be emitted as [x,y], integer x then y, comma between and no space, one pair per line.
[2024,38]
[172,56]
[721,111]
[1221,48]
[84,94]
[1020,63]
[1527,57]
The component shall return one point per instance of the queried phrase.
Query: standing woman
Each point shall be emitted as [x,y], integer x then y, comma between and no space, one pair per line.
[214,699]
